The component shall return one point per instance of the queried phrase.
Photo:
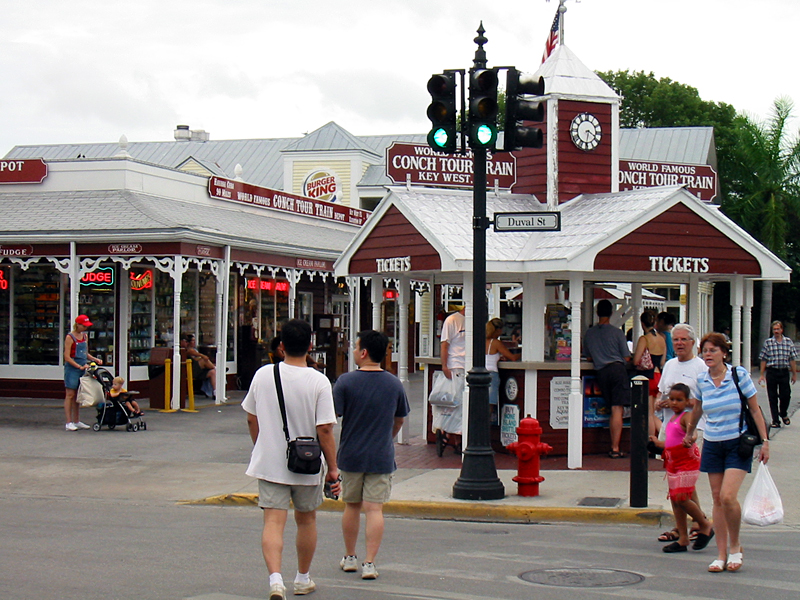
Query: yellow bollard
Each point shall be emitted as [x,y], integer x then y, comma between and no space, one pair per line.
[167,387]
[189,386]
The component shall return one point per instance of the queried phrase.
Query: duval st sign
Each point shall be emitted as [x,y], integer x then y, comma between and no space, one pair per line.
[528,221]
[420,164]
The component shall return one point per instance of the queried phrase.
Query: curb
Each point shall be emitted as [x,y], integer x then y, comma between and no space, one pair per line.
[470,511]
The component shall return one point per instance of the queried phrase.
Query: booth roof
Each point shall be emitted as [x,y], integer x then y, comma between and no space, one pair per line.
[108,214]
[589,224]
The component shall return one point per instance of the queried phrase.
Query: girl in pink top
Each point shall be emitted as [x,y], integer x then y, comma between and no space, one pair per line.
[683,469]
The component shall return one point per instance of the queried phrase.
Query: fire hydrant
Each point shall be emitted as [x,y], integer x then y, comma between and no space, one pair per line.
[527,448]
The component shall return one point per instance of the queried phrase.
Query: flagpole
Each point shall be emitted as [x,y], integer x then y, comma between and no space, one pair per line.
[562,9]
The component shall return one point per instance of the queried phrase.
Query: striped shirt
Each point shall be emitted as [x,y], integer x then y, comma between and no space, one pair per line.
[777,354]
[722,405]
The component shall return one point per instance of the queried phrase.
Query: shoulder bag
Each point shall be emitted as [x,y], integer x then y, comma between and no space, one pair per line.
[750,438]
[303,454]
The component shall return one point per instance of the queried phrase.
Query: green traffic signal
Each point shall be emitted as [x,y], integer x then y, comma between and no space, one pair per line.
[485,135]
[442,112]
[483,108]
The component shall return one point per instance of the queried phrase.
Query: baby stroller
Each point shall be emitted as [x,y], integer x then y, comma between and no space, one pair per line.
[111,411]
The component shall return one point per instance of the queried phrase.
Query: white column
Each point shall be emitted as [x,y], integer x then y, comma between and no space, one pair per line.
[354,283]
[575,430]
[747,325]
[533,335]
[466,294]
[615,147]
[693,304]
[223,299]
[402,359]
[552,154]
[737,299]
[294,277]
[177,285]
[74,284]
[636,300]
[376,297]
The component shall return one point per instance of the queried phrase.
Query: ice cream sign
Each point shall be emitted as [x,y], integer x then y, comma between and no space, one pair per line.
[322,185]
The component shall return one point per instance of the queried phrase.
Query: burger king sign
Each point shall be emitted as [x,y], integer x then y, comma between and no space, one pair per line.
[322,185]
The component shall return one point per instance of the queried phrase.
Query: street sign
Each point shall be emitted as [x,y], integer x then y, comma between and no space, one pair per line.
[528,221]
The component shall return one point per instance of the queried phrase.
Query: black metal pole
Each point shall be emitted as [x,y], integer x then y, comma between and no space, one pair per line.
[639,409]
[478,479]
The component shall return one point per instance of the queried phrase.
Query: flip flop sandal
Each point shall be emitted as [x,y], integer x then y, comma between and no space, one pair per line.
[787,421]
[702,540]
[674,547]
[718,566]
[669,536]
[734,561]
[613,454]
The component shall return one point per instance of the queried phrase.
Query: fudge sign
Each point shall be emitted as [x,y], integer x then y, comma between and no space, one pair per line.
[422,165]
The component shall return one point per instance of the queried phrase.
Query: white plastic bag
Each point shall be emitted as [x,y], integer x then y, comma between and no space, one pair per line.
[446,392]
[762,505]
[90,391]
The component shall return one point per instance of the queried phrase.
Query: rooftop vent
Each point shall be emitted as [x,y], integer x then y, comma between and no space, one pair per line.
[184,134]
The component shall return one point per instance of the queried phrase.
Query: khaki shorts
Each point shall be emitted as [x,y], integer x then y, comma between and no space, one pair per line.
[305,498]
[369,487]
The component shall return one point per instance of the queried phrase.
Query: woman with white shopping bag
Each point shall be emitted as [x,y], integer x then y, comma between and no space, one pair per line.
[719,398]
[76,358]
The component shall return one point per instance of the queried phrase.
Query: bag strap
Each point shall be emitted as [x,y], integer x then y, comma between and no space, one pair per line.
[281,403]
[735,376]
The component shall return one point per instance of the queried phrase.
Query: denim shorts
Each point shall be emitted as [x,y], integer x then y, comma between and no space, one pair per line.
[717,457]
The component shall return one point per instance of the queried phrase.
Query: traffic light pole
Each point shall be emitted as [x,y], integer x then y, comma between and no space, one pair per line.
[478,479]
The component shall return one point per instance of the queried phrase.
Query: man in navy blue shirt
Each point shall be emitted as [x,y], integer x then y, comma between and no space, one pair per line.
[372,404]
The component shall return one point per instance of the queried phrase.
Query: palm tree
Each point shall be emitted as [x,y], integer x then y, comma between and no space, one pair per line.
[764,194]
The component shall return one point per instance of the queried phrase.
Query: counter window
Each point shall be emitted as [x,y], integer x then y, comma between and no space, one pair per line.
[5,313]
[37,307]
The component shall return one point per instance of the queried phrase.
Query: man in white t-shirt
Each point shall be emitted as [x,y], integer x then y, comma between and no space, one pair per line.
[447,420]
[309,413]
[684,368]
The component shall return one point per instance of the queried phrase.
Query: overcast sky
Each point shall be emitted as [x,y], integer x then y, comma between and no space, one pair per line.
[92,70]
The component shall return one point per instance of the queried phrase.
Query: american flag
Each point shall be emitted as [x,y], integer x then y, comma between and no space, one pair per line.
[552,38]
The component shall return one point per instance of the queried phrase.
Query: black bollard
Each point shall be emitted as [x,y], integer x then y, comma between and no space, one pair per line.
[640,407]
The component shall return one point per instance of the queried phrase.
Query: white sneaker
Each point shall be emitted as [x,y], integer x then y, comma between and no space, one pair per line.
[71,427]
[81,425]
[349,564]
[277,592]
[368,571]
[301,589]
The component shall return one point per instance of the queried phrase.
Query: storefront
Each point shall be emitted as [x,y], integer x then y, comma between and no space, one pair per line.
[149,254]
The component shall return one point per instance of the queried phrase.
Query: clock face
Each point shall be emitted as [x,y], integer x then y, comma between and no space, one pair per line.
[512,389]
[585,132]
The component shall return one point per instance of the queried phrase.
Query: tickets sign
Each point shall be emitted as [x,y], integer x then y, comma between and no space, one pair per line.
[268,199]
[420,164]
[29,170]
[700,180]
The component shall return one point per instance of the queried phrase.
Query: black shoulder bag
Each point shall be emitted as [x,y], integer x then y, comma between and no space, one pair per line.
[303,454]
[750,438]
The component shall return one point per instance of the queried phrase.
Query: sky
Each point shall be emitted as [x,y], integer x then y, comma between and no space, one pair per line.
[93,70]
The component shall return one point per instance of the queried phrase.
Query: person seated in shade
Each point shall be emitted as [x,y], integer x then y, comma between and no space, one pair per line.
[208,369]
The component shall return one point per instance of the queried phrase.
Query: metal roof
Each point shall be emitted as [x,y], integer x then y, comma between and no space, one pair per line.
[133,216]
[691,145]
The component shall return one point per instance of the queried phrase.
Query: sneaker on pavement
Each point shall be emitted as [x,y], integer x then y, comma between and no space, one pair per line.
[368,571]
[71,427]
[81,425]
[300,589]
[349,564]
[277,592]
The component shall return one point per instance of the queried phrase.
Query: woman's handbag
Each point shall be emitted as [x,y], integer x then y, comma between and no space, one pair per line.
[762,505]
[750,438]
[304,456]
[646,361]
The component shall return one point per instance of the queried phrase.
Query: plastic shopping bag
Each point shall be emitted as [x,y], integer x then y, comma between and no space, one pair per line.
[762,505]
[446,392]
[90,391]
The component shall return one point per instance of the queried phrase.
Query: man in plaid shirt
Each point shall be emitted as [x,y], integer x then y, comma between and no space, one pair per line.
[778,357]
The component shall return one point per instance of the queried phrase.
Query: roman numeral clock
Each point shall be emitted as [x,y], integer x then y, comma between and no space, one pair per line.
[585,131]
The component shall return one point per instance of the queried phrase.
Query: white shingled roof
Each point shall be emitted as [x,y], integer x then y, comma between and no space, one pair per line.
[566,76]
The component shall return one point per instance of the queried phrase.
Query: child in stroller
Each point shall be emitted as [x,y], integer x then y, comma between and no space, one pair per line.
[117,391]
[118,408]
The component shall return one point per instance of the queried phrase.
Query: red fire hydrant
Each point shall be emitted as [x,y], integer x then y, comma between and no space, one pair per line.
[527,448]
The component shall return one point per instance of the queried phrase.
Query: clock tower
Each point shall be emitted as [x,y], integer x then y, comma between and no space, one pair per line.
[581,141]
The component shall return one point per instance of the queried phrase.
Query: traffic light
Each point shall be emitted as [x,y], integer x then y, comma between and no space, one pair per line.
[482,108]
[442,112]
[519,109]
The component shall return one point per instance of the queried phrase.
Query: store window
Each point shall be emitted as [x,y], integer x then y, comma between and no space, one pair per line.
[97,300]
[163,299]
[206,309]
[274,307]
[5,314]
[37,304]
[189,303]
[142,282]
